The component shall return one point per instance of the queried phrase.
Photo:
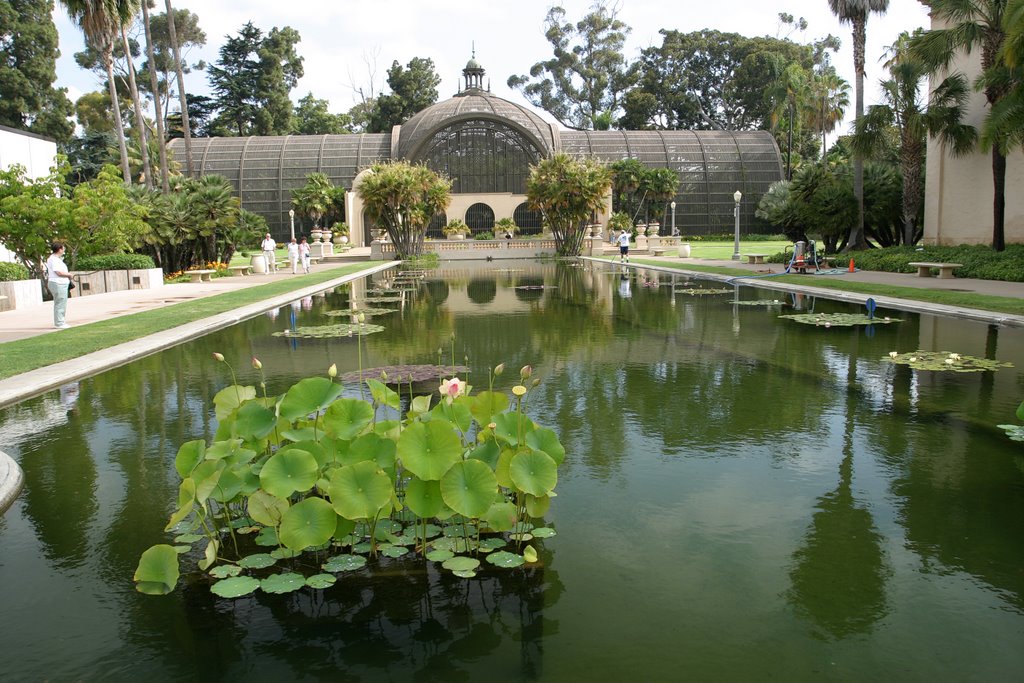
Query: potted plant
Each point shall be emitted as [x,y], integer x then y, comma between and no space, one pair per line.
[456,230]
[341,231]
[618,222]
[505,228]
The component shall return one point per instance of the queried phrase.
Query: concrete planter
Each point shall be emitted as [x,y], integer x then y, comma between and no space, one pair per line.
[145,278]
[684,250]
[258,263]
[21,294]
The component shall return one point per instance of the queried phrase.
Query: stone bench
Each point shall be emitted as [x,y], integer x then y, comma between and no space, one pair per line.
[240,270]
[658,252]
[755,258]
[924,269]
[201,275]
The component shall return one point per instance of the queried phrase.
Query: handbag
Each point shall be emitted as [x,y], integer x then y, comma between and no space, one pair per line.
[71,285]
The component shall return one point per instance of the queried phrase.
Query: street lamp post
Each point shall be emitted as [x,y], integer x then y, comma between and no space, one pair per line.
[736,241]
[674,233]
[291,216]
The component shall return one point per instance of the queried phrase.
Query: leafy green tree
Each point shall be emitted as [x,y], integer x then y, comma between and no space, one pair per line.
[314,199]
[904,111]
[659,185]
[568,192]
[88,153]
[413,89]
[982,26]
[627,178]
[190,35]
[402,198]
[105,218]
[33,213]
[312,117]
[28,57]
[584,82]
[855,13]
[202,111]
[93,112]
[251,81]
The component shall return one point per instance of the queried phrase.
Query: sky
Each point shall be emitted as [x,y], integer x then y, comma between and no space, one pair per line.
[347,45]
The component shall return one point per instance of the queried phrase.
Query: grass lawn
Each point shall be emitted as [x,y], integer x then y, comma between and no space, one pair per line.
[724,250]
[25,355]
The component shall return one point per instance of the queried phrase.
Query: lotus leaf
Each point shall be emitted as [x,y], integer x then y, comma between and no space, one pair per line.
[227,400]
[307,396]
[383,299]
[359,491]
[187,538]
[283,583]
[189,455]
[759,302]
[267,537]
[287,472]
[424,497]
[428,450]
[343,528]
[284,553]
[702,291]
[257,561]
[364,547]
[321,581]
[254,421]
[460,563]
[533,472]
[544,439]
[493,543]
[347,418]
[223,571]
[487,404]
[368,312]
[393,551]
[456,413]
[210,555]
[182,549]
[501,470]
[460,530]
[521,536]
[220,450]
[510,427]
[465,574]
[457,545]
[158,572]
[235,587]
[944,361]
[537,506]
[529,554]
[501,516]
[315,449]
[468,487]
[344,563]
[229,485]
[206,475]
[374,448]
[487,453]
[439,555]
[330,331]
[544,532]
[505,559]
[308,523]
[382,395]
[838,319]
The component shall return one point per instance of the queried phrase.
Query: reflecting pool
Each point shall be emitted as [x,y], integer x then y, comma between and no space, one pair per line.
[744,498]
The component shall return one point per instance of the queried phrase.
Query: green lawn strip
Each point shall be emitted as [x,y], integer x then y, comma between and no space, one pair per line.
[25,355]
[984,302]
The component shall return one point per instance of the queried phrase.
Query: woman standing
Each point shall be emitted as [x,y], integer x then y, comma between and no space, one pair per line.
[57,280]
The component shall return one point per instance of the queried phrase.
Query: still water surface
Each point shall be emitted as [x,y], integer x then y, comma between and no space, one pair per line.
[744,498]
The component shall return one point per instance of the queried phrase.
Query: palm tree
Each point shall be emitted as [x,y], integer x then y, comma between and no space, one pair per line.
[855,12]
[831,98]
[567,191]
[903,109]
[315,198]
[154,84]
[788,93]
[182,98]
[979,25]
[100,21]
[127,11]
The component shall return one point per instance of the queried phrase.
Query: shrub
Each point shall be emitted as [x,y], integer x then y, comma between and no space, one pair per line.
[115,262]
[485,235]
[12,271]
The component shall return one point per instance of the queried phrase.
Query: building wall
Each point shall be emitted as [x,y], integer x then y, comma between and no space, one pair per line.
[36,153]
[959,191]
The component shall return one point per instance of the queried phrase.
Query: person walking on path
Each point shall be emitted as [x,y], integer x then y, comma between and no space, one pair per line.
[58,278]
[268,246]
[304,255]
[293,256]
[624,246]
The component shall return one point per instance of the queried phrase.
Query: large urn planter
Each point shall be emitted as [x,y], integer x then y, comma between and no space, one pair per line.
[684,250]
[258,263]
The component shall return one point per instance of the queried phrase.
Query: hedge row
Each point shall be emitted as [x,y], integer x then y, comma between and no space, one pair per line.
[12,271]
[115,262]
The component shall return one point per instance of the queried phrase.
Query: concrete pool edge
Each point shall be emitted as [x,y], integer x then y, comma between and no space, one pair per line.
[20,387]
[11,481]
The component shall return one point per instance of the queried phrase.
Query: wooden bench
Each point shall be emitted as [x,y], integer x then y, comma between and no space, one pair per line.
[240,270]
[924,269]
[755,258]
[201,275]
[658,252]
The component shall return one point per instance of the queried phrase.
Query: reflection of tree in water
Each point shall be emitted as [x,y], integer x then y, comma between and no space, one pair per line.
[481,290]
[838,575]
[403,620]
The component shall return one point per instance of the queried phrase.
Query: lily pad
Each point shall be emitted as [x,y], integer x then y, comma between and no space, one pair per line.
[393,551]
[461,563]
[365,311]
[383,299]
[505,559]
[344,563]
[187,538]
[945,361]
[440,555]
[267,537]
[235,587]
[283,583]
[182,549]
[759,302]
[489,544]
[257,561]
[158,572]
[224,571]
[521,536]
[284,553]
[330,331]
[321,581]
[464,574]
[702,291]
[402,374]
[544,532]
[838,319]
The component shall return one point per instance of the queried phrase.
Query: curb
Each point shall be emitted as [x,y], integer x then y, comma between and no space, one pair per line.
[11,481]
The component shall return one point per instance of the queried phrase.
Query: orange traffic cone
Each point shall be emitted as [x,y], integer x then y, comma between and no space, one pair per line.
[852,269]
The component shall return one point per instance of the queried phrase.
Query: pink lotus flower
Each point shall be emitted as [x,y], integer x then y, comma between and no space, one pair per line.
[452,388]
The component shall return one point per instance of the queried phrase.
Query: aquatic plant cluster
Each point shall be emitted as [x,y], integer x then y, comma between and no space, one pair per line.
[325,482]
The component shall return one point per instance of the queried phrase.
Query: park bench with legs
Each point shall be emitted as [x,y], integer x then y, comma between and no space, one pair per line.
[240,270]
[924,269]
[201,275]
[755,258]
[658,252]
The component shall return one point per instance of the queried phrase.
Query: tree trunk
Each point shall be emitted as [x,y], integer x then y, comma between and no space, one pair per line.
[856,240]
[181,90]
[108,59]
[911,162]
[140,119]
[999,198]
[154,84]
